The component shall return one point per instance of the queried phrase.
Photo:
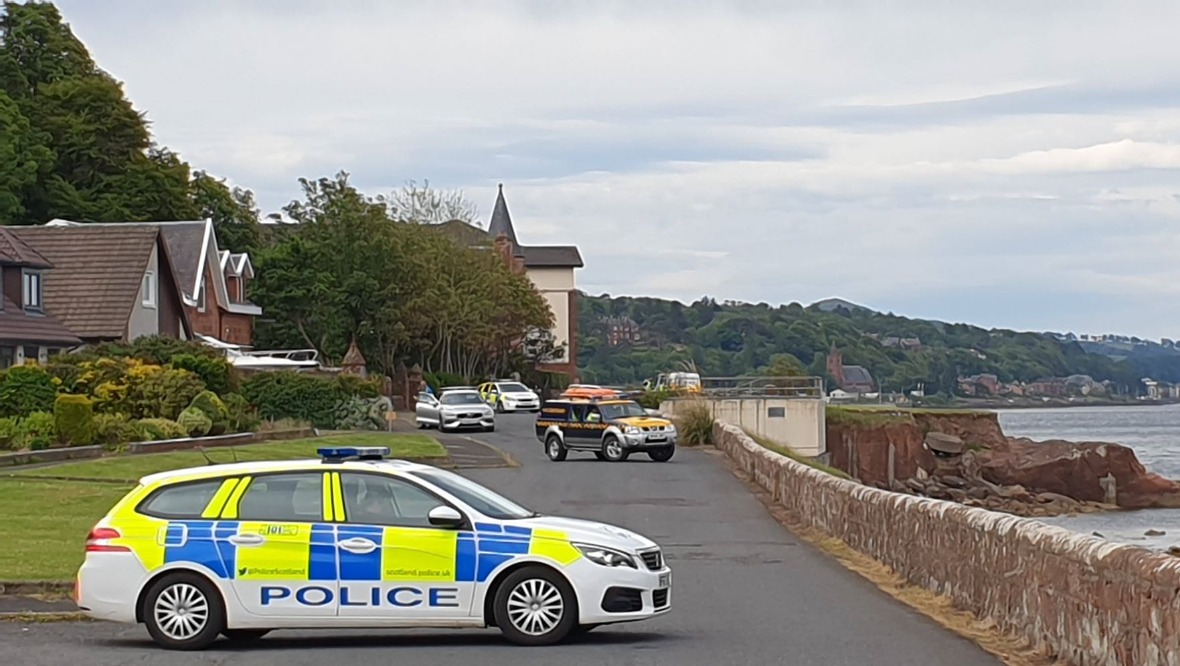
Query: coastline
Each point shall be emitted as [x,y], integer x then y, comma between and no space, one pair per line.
[1053,404]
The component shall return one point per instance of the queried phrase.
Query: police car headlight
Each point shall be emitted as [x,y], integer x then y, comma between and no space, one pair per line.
[606,556]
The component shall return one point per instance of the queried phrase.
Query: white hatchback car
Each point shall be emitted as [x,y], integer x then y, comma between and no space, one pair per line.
[355,541]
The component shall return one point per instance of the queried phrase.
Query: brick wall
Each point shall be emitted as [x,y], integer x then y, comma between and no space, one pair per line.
[1086,600]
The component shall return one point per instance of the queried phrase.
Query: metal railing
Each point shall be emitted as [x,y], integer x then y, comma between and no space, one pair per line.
[763,387]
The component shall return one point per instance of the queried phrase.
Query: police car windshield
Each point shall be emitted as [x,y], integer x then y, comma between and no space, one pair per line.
[460,398]
[513,387]
[482,499]
[621,410]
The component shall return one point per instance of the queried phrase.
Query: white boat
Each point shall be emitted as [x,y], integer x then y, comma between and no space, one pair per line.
[243,357]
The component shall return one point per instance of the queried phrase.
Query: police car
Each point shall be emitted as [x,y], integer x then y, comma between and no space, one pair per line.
[353,540]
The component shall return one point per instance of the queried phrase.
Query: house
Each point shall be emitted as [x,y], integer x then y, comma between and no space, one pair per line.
[850,378]
[621,330]
[106,282]
[549,267]
[27,330]
[213,282]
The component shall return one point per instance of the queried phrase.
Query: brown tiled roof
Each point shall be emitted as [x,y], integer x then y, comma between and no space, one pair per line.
[552,256]
[96,276]
[185,241]
[19,327]
[15,252]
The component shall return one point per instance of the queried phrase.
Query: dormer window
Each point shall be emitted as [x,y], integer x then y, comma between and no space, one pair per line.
[32,291]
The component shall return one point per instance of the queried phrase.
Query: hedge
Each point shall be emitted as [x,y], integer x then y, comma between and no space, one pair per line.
[289,394]
[26,389]
[73,417]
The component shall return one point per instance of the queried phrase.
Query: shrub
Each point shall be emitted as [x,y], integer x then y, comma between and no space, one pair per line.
[137,389]
[152,349]
[73,417]
[212,406]
[288,394]
[652,399]
[358,386]
[195,422]
[113,430]
[26,389]
[36,431]
[695,423]
[160,429]
[243,417]
[217,373]
[9,434]
[356,413]
[65,375]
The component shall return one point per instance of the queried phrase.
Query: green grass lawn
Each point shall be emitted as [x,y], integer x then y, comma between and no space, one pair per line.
[133,467]
[46,521]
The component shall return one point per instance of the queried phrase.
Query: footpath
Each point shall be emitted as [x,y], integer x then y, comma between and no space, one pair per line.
[47,601]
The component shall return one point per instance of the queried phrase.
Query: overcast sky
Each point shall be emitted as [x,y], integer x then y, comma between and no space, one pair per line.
[1009,164]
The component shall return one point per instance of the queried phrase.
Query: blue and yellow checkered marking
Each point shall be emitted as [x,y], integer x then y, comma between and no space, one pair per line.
[299,551]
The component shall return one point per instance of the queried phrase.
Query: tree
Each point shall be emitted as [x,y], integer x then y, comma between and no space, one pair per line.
[422,205]
[785,365]
[23,160]
[408,294]
[233,211]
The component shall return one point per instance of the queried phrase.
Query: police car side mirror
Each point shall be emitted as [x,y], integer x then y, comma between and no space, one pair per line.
[445,516]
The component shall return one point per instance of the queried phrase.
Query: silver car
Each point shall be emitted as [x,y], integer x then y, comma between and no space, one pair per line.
[454,409]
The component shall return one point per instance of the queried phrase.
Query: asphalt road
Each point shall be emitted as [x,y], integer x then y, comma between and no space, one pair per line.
[745,591]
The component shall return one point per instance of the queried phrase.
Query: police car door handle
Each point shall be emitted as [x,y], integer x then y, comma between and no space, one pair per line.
[357,545]
[247,539]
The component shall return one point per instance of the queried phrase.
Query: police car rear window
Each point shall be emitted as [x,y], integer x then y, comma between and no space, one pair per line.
[186,500]
[284,497]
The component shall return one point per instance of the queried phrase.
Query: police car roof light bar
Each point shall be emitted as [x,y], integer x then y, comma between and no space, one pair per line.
[337,454]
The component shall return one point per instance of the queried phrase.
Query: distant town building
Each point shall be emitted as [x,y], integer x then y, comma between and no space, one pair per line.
[621,330]
[849,378]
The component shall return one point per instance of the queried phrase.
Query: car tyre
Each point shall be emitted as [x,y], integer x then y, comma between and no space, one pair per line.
[184,611]
[535,606]
[244,635]
[662,454]
[555,448]
[612,449]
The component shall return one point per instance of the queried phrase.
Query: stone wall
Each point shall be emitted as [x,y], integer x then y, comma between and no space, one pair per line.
[1085,600]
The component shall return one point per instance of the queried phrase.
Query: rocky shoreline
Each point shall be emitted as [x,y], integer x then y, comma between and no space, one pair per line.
[965,457]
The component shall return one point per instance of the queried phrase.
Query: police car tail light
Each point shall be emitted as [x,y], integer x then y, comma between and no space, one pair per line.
[606,556]
[98,541]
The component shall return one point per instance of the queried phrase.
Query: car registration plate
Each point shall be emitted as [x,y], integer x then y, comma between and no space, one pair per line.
[665,580]
[656,438]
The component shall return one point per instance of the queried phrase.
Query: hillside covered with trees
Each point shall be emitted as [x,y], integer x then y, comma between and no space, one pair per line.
[624,340]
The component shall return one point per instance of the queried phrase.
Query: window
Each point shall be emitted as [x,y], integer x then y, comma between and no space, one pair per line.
[513,387]
[32,353]
[384,500]
[461,398]
[622,410]
[7,357]
[32,290]
[186,500]
[284,498]
[483,500]
[201,298]
[148,289]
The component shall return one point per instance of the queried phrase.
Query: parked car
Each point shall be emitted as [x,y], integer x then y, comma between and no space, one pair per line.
[454,409]
[240,550]
[509,396]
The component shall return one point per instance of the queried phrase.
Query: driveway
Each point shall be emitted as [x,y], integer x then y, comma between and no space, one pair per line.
[745,591]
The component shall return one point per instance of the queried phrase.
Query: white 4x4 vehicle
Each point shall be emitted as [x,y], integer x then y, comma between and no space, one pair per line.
[355,541]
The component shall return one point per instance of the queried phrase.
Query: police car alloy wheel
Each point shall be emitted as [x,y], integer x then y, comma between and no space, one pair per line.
[662,454]
[555,449]
[183,612]
[613,449]
[535,606]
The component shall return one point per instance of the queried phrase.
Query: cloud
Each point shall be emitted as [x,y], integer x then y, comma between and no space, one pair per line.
[1003,163]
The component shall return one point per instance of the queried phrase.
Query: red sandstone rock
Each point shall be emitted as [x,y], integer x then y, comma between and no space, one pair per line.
[1072,469]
